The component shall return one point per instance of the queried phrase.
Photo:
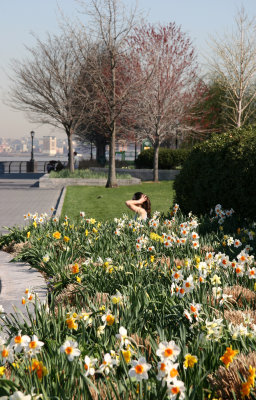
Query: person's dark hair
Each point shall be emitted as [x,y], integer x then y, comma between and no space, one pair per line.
[146,205]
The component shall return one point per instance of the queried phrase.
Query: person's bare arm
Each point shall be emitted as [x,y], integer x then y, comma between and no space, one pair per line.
[133,205]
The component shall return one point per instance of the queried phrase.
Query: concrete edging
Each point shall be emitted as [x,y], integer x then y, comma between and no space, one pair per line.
[144,174]
[60,202]
[49,183]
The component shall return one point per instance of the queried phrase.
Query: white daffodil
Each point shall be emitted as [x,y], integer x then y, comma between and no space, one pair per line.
[162,370]
[34,346]
[215,280]
[20,396]
[70,349]
[177,276]
[2,342]
[89,365]
[214,329]
[122,336]
[139,369]
[19,342]
[168,351]
[107,364]
[117,298]
[188,284]
[251,273]
[108,318]
[171,372]
[175,389]
[237,243]
[46,258]
[7,354]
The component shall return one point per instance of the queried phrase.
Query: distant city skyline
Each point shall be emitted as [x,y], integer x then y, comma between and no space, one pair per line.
[198,18]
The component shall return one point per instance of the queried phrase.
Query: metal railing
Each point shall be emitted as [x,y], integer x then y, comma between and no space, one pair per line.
[14,167]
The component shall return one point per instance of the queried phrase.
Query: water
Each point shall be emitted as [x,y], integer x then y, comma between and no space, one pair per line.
[27,157]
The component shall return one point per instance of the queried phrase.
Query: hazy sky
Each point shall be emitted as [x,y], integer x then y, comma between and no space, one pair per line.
[19,18]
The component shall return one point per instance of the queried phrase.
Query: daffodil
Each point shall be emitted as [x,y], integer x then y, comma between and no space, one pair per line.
[19,342]
[89,365]
[139,369]
[56,235]
[175,389]
[168,351]
[75,268]
[33,346]
[107,364]
[117,298]
[108,318]
[70,348]
[190,361]
[228,356]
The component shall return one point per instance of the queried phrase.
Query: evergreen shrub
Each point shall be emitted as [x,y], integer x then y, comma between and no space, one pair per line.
[221,170]
[168,158]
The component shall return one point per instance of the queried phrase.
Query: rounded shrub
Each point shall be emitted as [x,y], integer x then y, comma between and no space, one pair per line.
[168,158]
[221,170]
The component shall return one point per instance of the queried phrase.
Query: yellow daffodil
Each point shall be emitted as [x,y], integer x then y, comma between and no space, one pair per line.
[28,235]
[71,323]
[127,355]
[228,356]
[66,239]
[75,268]
[56,235]
[190,361]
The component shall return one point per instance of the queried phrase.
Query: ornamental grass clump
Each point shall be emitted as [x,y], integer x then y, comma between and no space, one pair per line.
[236,381]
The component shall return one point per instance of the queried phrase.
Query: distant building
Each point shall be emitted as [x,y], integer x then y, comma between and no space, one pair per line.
[49,145]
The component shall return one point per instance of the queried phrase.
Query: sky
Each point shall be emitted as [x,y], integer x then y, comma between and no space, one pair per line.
[20,18]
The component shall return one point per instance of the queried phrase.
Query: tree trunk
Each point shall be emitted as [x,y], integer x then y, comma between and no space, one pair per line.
[156,154]
[239,113]
[101,151]
[70,152]
[112,182]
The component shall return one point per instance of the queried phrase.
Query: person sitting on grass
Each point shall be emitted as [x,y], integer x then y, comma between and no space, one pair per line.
[141,205]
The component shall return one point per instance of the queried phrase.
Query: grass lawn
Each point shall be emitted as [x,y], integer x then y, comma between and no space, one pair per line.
[104,204]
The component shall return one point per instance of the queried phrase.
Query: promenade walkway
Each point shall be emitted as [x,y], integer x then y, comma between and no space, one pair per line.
[20,194]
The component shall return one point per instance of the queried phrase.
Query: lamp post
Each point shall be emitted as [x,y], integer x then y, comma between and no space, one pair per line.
[32,133]
[32,161]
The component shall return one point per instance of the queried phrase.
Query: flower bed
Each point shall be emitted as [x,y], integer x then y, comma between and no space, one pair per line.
[163,310]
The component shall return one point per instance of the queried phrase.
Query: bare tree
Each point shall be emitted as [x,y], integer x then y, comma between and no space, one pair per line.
[233,64]
[111,23]
[43,86]
[95,124]
[168,96]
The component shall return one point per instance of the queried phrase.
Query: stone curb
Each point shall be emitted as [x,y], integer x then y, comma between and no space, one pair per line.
[60,202]
[49,183]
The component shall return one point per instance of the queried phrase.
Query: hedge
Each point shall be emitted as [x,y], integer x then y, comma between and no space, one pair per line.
[168,158]
[221,170]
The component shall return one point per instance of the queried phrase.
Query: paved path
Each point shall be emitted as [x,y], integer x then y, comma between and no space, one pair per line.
[15,278]
[18,197]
